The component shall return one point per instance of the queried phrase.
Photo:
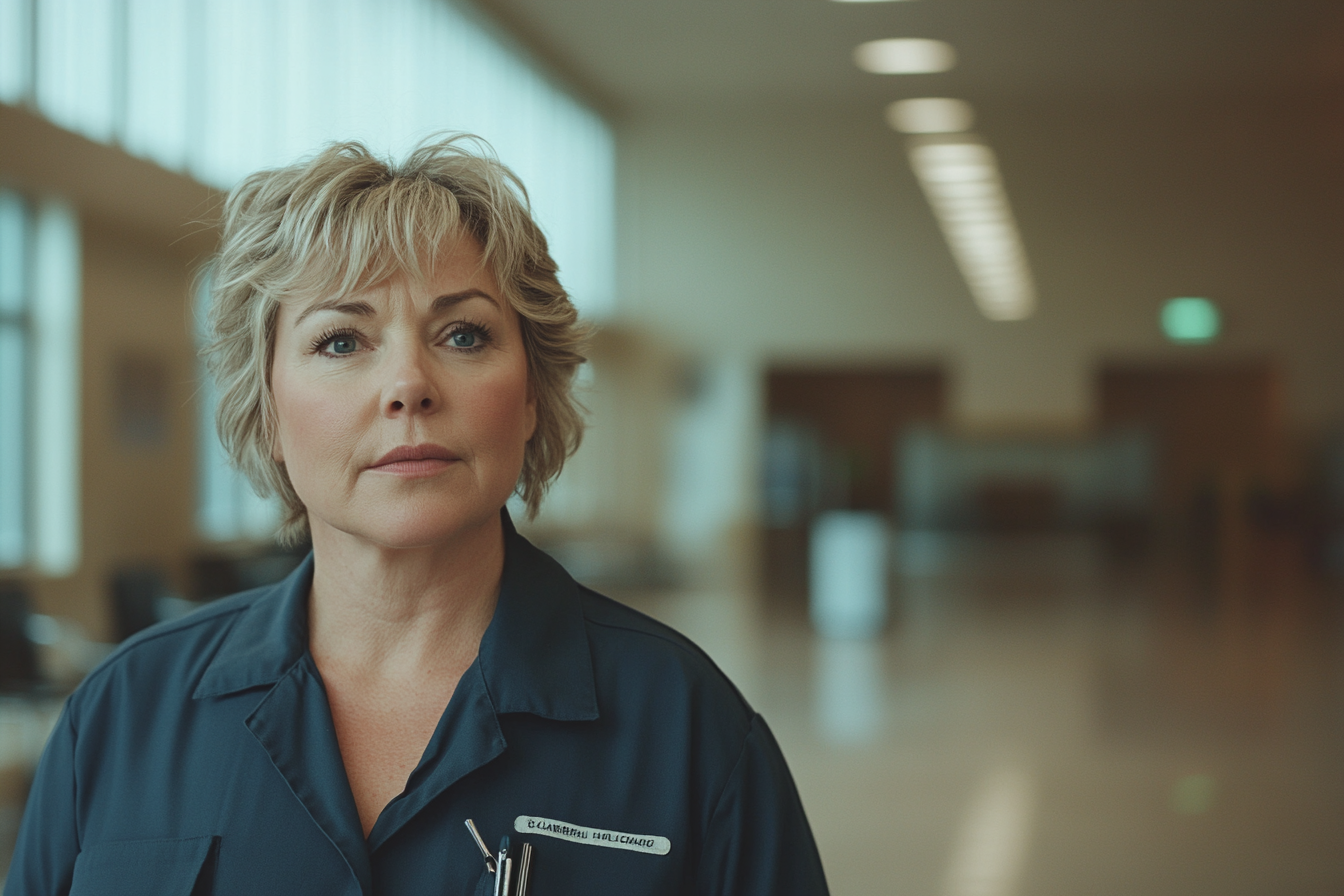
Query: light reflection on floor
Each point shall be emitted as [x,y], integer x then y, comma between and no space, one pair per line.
[1038,721]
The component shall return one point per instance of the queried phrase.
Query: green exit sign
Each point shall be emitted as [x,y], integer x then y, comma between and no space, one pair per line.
[1191,319]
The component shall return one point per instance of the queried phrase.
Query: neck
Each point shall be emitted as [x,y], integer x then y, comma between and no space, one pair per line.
[385,613]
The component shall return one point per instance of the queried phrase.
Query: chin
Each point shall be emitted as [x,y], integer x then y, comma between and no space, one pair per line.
[420,527]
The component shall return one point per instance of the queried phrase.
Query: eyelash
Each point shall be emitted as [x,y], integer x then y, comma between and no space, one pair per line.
[481,331]
[327,336]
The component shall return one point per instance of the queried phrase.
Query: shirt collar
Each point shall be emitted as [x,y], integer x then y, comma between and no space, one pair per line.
[534,656]
[268,637]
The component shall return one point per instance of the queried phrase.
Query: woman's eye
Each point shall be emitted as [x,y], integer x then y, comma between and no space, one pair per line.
[342,345]
[463,339]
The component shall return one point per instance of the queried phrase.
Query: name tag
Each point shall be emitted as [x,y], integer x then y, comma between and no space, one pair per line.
[575,833]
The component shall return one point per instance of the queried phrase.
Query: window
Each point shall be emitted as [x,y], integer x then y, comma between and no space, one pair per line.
[39,343]
[221,88]
[15,341]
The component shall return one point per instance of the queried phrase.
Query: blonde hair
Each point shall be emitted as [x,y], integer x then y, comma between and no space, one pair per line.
[345,220]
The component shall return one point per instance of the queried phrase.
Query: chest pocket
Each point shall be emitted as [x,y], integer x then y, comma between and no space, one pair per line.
[180,867]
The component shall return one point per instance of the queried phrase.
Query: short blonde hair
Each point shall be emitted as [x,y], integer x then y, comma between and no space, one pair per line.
[345,220]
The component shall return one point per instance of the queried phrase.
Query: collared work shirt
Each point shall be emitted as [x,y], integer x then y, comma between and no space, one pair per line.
[201,758]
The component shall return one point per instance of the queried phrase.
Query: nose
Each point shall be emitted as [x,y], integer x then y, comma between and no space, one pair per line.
[409,387]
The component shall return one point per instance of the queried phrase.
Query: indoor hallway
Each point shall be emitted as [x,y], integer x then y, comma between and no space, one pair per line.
[1040,719]
[1092,289]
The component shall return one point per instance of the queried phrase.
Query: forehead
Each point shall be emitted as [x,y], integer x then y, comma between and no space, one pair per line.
[456,266]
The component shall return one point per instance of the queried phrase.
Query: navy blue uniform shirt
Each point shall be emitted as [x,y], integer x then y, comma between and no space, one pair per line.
[201,758]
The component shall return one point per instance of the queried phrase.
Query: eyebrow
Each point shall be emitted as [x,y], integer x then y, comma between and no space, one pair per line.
[360,309]
[364,309]
[453,298]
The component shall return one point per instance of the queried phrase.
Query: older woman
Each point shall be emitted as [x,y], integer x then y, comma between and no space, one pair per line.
[394,356]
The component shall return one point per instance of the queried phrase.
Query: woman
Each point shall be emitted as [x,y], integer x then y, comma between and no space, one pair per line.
[394,356]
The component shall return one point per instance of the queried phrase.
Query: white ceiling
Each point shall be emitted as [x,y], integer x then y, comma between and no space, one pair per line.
[631,55]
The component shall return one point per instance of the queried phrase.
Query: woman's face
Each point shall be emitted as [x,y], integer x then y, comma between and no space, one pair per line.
[403,410]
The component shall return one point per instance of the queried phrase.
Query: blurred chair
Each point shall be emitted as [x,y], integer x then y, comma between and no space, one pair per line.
[137,592]
[19,668]
[216,575]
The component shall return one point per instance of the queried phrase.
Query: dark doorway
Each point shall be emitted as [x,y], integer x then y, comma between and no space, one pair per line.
[830,444]
[1212,424]
[1222,494]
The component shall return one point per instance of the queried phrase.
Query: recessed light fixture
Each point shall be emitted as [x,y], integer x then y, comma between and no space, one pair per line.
[930,115]
[905,56]
[1190,319]
[961,180]
[864,1]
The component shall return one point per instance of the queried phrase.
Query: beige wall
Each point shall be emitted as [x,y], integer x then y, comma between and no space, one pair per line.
[800,233]
[142,238]
[138,499]
[756,235]
[612,487]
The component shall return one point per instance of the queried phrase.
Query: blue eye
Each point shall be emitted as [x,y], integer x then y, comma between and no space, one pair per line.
[337,342]
[343,345]
[468,336]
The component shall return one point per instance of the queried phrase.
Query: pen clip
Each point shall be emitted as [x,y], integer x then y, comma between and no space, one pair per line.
[480,844]
[503,867]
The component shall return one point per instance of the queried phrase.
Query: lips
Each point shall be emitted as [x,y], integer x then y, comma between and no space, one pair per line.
[409,454]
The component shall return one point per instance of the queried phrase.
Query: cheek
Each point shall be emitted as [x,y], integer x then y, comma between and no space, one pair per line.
[505,411]
[308,423]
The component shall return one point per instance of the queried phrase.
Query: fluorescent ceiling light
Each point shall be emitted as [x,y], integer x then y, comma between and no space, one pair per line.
[864,1]
[930,115]
[905,56]
[955,163]
[962,183]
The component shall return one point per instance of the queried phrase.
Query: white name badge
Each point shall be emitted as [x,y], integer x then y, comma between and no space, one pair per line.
[575,833]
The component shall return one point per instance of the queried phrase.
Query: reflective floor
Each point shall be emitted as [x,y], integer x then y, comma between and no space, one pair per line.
[1036,720]
[1039,720]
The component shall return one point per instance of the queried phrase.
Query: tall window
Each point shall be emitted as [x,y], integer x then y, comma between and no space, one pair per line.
[15,341]
[219,88]
[39,344]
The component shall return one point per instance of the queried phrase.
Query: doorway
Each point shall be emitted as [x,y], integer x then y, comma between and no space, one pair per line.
[1213,425]
[830,445]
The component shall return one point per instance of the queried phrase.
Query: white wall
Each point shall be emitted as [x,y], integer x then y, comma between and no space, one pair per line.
[759,235]
[790,234]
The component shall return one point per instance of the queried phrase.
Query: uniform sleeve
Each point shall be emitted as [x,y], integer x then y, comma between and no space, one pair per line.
[759,842]
[44,856]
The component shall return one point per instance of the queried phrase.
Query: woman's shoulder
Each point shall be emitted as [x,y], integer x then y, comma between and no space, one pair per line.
[635,646]
[612,615]
[170,655]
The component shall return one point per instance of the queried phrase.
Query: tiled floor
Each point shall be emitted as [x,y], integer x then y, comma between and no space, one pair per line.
[1038,721]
